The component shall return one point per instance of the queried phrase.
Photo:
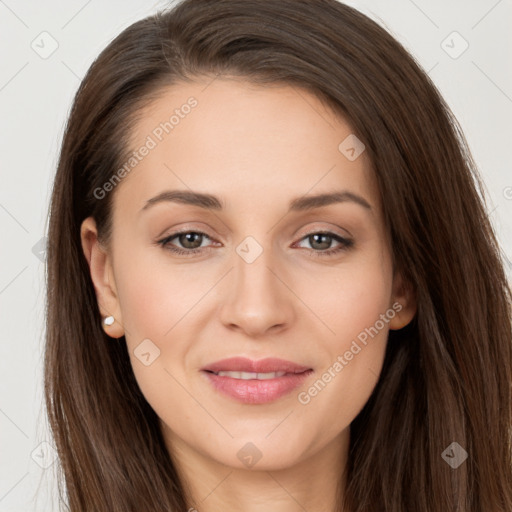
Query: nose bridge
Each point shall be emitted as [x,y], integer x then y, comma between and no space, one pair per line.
[258,299]
[252,269]
[253,277]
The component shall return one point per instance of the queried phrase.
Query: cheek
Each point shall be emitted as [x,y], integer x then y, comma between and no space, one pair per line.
[157,302]
[349,299]
[356,309]
[155,295]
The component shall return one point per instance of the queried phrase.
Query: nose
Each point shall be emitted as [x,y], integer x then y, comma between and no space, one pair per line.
[258,299]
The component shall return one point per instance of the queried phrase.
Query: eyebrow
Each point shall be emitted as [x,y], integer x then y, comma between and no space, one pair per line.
[211,202]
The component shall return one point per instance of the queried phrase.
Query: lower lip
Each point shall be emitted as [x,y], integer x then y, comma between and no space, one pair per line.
[257,391]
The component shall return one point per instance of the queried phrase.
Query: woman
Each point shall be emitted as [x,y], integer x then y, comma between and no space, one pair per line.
[272,282]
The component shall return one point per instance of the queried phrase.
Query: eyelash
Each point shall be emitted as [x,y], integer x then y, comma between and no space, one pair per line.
[345,244]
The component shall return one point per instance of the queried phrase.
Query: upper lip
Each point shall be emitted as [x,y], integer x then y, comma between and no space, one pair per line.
[267,365]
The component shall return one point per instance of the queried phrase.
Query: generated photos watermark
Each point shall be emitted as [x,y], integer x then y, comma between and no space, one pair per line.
[151,142]
[304,397]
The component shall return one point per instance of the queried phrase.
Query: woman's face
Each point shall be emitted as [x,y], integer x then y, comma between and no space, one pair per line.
[263,281]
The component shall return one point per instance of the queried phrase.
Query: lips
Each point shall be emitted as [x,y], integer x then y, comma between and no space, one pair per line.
[268,365]
[255,382]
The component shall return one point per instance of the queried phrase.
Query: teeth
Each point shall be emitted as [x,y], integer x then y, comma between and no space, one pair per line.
[251,375]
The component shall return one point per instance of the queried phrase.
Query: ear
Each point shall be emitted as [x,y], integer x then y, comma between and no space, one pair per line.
[102,275]
[403,302]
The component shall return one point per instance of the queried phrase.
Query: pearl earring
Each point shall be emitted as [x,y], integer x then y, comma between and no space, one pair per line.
[108,320]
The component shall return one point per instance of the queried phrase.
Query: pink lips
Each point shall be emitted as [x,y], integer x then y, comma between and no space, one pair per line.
[255,391]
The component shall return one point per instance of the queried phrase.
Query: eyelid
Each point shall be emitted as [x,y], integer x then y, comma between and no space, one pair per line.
[187,229]
[175,234]
[334,230]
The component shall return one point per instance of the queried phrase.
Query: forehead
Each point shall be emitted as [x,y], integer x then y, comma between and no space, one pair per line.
[242,141]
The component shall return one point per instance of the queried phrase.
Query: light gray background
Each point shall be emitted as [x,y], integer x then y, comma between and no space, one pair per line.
[35,97]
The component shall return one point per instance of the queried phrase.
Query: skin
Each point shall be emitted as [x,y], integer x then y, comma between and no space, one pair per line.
[256,148]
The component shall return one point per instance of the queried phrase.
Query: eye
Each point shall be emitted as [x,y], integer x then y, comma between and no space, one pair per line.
[192,243]
[190,240]
[323,241]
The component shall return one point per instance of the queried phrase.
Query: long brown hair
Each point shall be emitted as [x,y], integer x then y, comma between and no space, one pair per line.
[446,377]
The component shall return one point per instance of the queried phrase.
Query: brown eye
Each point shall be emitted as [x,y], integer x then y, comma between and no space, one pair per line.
[189,242]
[321,242]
